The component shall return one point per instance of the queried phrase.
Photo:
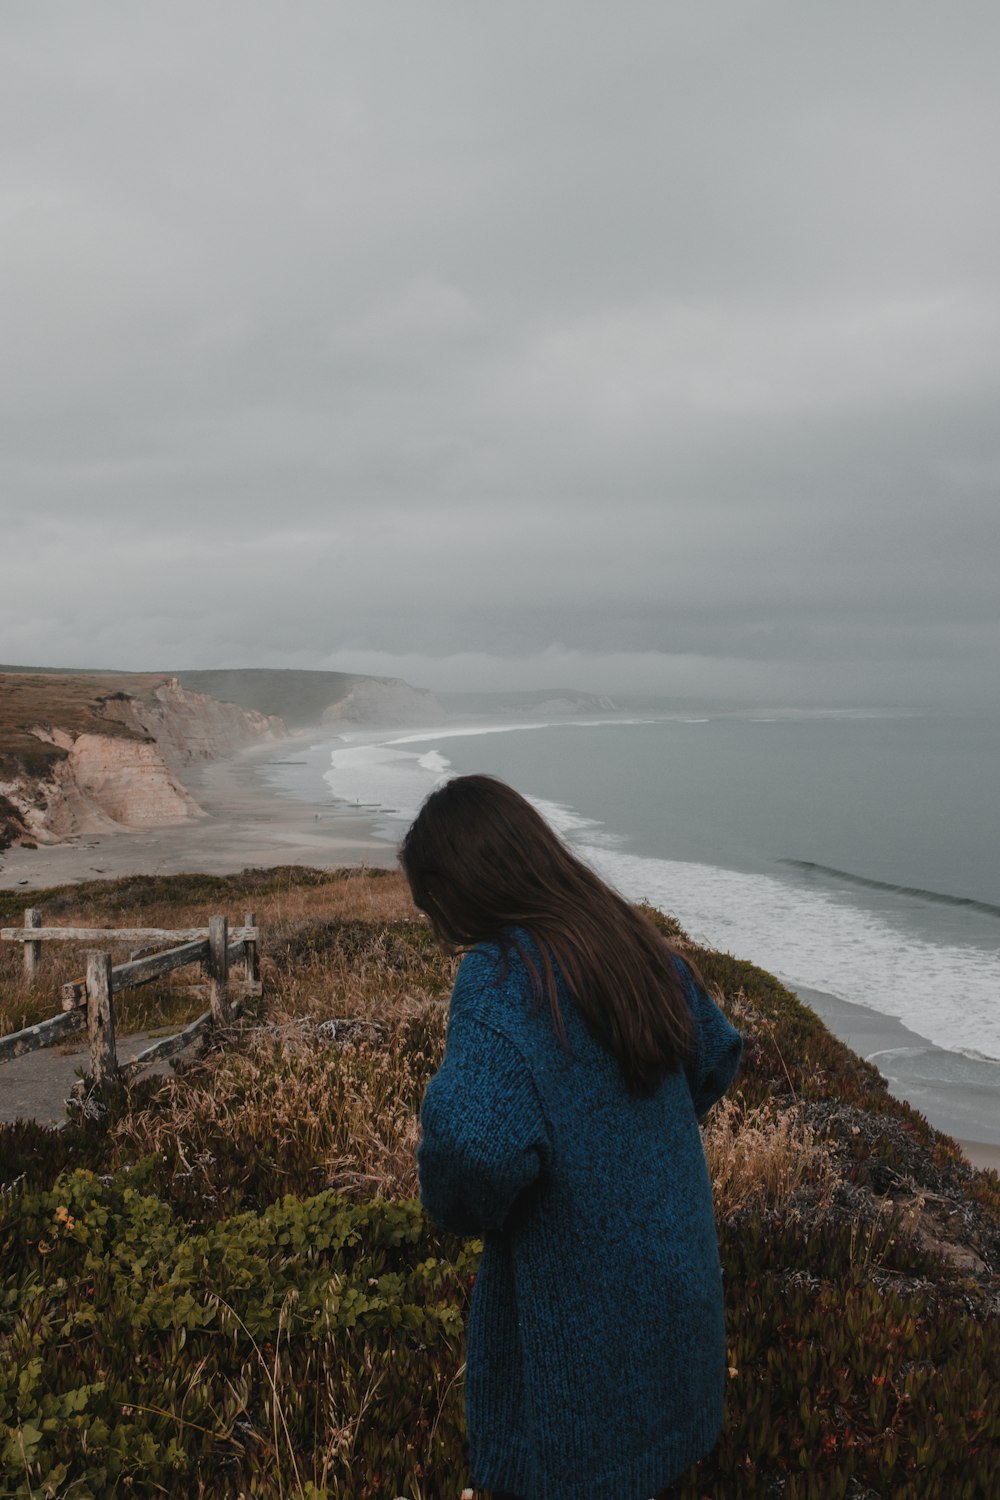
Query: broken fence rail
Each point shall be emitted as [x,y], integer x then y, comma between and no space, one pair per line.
[89,1002]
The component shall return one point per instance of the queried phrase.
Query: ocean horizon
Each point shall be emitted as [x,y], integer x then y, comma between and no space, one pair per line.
[851,855]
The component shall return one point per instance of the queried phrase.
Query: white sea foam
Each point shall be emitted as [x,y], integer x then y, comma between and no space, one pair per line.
[472,731]
[564,820]
[419,736]
[382,772]
[821,941]
[395,780]
[387,777]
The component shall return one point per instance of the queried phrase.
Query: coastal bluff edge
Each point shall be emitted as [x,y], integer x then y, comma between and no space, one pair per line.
[219,1280]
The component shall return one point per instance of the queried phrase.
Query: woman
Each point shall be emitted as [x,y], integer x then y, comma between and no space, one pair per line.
[562,1129]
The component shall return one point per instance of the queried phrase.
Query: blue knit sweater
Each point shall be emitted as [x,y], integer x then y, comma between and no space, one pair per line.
[596,1353]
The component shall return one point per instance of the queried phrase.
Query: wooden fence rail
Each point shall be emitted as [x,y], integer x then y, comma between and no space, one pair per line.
[90,1001]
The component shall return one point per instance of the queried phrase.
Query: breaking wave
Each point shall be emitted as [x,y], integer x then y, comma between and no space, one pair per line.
[941,897]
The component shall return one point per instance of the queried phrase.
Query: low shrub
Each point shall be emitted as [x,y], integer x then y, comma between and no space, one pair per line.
[321,1340]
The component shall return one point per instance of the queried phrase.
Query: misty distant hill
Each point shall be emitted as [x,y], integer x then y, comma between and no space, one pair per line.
[530,703]
[304,698]
[299,698]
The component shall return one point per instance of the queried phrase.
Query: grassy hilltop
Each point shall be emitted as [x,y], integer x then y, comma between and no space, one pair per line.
[222,1284]
[67,701]
[66,697]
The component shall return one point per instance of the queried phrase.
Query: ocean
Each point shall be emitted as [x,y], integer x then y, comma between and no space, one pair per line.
[854,855]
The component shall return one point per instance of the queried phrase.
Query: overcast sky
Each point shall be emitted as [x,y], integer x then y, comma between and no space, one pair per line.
[650,347]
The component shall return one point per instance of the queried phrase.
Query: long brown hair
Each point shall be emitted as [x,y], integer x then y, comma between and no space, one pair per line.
[480,860]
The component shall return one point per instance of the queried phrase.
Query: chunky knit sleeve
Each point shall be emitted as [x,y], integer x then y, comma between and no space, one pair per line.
[483,1135]
[718,1047]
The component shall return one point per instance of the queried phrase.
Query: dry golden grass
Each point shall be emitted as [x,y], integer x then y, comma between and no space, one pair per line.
[326,1116]
[288,895]
[760,1157]
[285,910]
[278,1100]
[347,1117]
[355,896]
[347,943]
[347,895]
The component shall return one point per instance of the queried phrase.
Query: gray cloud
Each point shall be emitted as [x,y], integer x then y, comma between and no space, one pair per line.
[660,348]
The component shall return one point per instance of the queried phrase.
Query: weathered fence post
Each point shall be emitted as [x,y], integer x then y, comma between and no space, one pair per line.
[218,969]
[101,1018]
[32,951]
[251,962]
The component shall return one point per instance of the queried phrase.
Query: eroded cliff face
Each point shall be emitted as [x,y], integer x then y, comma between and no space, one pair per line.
[127,778]
[104,783]
[191,726]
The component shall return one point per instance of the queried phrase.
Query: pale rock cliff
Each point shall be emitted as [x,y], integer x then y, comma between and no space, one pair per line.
[122,780]
[385,702]
[192,726]
[106,783]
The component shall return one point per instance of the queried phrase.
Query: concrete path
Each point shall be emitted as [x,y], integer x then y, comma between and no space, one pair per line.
[36,1086]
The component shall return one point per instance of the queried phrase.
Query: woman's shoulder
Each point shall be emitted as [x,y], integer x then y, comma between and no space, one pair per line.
[684,970]
[495,964]
[479,964]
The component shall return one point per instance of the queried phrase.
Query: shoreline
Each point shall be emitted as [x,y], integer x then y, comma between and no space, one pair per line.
[982,1156]
[943,1101]
[247,823]
[251,820]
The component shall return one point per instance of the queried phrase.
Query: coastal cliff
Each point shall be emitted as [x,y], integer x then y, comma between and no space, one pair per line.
[82,754]
[103,782]
[189,726]
[86,753]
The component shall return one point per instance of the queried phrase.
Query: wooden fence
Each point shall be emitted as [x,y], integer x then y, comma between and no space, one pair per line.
[89,1002]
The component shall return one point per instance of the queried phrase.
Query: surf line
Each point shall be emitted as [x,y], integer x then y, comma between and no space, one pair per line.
[941,897]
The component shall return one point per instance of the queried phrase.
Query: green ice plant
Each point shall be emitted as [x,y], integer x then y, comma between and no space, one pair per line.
[131,1348]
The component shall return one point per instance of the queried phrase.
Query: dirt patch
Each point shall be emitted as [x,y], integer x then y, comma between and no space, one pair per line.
[37,1085]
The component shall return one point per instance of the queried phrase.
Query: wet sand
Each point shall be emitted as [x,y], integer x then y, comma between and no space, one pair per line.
[968,1112]
[982,1155]
[247,823]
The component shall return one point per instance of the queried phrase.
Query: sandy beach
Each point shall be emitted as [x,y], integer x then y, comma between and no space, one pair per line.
[950,1106]
[981,1154]
[247,823]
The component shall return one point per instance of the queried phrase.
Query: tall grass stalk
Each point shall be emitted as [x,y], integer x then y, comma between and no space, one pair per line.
[216,1299]
[761,1157]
